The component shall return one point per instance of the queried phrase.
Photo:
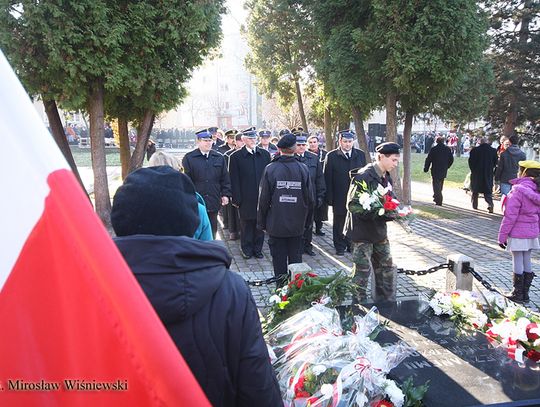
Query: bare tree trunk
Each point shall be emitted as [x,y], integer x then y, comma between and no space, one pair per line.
[97,149]
[511,118]
[360,132]
[406,199]
[143,134]
[123,138]
[301,105]
[60,137]
[391,135]
[328,131]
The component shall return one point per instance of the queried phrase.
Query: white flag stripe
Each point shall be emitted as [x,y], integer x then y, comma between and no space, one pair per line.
[30,154]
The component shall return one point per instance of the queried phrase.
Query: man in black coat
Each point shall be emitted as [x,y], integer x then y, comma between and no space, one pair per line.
[246,167]
[234,219]
[338,164]
[208,310]
[285,198]
[229,141]
[482,162]
[265,144]
[208,171]
[439,158]
[321,212]
[317,186]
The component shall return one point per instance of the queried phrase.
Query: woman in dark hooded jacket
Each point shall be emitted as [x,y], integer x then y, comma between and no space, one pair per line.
[207,309]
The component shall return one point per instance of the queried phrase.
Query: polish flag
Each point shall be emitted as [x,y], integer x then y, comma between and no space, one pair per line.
[76,329]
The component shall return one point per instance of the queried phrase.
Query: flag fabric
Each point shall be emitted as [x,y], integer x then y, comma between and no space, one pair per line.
[75,327]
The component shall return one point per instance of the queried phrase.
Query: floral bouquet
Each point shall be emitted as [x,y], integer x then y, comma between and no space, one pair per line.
[377,203]
[304,290]
[510,326]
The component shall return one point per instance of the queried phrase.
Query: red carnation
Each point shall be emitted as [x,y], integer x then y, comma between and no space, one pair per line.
[532,336]
[533,355]
[299,283]
[297,276]
[284,298]
[382,403]
[389,205]
[312,275]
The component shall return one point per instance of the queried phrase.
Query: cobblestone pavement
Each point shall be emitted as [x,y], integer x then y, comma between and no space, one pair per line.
[469,232]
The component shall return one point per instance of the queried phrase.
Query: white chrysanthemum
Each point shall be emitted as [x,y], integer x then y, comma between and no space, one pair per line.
[318,369]
[274,299]
[519,331]
[381,212]
[394,392]
[327,390]
[361,399]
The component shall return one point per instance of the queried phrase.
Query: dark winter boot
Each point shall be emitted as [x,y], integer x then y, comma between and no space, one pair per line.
[516,294]
[527,281]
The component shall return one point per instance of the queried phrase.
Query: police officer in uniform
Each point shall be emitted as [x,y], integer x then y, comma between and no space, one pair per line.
[246,167]
[317,185]
[232,211]
[265,144]
[321,212]
[371,249]
[229,141]
[216,137]
[285,198]
[208,171]
[338,164]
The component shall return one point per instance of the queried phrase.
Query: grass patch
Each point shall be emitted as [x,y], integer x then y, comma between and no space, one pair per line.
[82,156]
[456,174]
[427,211]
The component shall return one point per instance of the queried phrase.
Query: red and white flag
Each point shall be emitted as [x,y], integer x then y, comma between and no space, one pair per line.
[75,327]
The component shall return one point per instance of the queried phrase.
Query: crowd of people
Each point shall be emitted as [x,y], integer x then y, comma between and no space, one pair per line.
[166,218]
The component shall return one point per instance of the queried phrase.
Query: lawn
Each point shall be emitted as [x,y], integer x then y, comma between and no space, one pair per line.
[456,173]
[82,156]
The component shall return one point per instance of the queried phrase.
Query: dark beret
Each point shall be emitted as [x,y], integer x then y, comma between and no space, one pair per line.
[265,133]
[283,132]
[387,148]
[287,141]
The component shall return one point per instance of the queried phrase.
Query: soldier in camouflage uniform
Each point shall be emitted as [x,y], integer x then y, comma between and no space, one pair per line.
[371,248]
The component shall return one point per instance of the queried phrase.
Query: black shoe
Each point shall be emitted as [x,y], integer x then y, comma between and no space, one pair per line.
[319,233]
[246,256]
[258,255]
[340,252]
[310,252]
[349,249]
[490,209]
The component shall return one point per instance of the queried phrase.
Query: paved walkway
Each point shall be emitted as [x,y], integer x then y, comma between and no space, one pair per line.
[467,231]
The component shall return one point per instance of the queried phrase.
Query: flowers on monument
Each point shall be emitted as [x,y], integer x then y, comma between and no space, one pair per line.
[318,365]
[508,325]
[304,289]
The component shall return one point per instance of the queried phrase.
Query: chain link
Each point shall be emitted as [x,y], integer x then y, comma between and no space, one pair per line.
[427,271]
[468,269]
[271,280]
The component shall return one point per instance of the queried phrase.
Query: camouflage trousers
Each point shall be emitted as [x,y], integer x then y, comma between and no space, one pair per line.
[367,256]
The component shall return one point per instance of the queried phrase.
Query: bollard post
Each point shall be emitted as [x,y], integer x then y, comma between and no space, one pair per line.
[298,268]
[456,279]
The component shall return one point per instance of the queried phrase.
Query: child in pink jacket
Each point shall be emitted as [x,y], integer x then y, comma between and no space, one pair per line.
[520,226]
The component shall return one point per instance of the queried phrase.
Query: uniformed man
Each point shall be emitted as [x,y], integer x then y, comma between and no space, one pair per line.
[338,164]
[208,171]
[217,137]
[371,249]
[229,141]
[317,185]
[321,212]
[234,220]
[285,198]
[265,144]
[228,146]
[246,167]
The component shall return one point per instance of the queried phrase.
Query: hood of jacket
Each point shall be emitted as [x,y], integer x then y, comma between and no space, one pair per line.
[514,151]
[178,274]
[528,188]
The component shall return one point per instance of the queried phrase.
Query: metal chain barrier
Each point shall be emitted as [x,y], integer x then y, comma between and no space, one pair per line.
[271,280]
[427,271]
[468,269]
